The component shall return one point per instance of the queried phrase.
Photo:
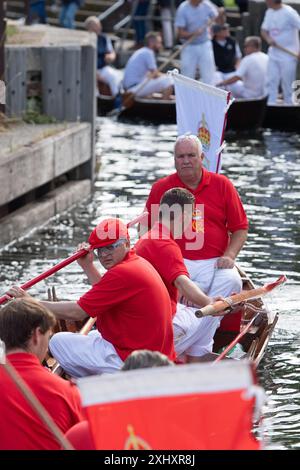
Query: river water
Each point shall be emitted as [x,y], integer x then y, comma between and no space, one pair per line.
[265,168]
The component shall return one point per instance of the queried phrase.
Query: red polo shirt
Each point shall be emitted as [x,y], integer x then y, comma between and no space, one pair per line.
[20,427]
[132,307]
[159,248]
[221,212]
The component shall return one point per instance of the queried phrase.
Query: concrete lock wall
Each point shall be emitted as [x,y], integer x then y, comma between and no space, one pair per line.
[67,93]
[32,166]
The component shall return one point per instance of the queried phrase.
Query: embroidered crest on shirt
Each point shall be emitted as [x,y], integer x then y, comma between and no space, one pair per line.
[198,221]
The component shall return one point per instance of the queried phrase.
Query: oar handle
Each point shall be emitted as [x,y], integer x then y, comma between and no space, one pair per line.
[221,305]
[287,51]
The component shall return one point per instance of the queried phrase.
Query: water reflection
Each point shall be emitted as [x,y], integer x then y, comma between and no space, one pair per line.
[266,170]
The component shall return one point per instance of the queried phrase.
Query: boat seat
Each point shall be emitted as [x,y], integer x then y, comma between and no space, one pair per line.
[103,88]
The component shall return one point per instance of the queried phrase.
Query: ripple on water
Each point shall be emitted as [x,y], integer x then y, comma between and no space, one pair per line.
[266,170]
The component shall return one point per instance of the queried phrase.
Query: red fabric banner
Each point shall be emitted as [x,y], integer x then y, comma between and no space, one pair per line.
[207,420]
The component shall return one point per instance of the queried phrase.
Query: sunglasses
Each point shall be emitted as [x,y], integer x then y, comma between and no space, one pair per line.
[109,248]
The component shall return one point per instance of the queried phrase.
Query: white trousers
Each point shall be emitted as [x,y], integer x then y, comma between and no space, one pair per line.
[235,88]
[111,77]
[199,56]
[193,336]
[166,15]
[282,72]
[82,355]
[154,85]
[214,281]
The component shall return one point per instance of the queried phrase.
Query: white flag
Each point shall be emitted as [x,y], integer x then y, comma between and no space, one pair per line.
[201,110]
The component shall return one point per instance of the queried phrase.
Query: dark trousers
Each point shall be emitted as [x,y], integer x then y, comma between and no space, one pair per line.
[140,25]
[38,11]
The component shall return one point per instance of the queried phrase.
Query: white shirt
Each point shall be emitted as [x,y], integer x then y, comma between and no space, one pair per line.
[283,26]
[253,71]
[141,62]
[190,18]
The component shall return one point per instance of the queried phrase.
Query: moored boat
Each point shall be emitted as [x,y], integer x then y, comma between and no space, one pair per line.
[242,115]
[282,117]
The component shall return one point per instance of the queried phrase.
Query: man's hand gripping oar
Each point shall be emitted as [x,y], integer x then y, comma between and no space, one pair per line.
[233,301]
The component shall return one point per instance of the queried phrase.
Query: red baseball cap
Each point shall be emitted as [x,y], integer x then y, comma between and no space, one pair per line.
[107,232]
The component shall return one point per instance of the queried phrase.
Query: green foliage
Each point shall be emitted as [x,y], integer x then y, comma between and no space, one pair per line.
[11,30]
[34,113]
[34,117]
[229,3]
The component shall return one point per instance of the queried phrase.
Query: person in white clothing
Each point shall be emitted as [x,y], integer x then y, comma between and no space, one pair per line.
[192,19]
[141,76]
[252,71]
[280,28]
[167,24]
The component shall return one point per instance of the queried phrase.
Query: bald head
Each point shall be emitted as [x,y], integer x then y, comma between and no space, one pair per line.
[254,42]
[93,25]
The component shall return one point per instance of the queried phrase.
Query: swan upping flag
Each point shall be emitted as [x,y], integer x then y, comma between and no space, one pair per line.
[194,406]
[201,110]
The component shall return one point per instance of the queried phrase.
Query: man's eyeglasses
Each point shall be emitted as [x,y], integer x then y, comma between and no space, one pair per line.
[109,248]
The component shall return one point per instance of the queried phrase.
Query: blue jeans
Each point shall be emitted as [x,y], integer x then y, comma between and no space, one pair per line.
[38,10]
[140,25]
[67,15]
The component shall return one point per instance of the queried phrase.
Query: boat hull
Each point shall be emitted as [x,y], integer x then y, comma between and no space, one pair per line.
[283,118]
[243,115]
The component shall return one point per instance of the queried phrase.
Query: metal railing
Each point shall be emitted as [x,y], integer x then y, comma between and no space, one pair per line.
[111,10]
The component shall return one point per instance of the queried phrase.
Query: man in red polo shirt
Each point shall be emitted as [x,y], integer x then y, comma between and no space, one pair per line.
[192,336]
[130,302]
[220,225]
[25,328]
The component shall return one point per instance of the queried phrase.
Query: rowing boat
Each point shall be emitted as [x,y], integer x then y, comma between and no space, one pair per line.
[282,117]
[253,343]
[242,115]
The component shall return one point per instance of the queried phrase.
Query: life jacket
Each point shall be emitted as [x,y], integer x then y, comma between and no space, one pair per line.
[225,56]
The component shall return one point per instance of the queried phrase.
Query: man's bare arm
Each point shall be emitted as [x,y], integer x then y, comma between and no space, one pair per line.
[191,291]
[237,241]
[65,310]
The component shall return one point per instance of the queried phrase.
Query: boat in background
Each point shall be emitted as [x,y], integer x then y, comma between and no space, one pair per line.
[243,115]
[282,117]
[246,115]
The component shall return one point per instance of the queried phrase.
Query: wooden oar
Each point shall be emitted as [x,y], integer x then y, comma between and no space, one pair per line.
[36,405]
[288,51]
[64,263]
[234,300]
[130,96]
